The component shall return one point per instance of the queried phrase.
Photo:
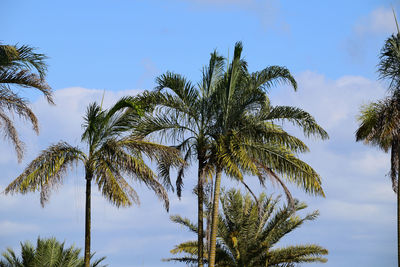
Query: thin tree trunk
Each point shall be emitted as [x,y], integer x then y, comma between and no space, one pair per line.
[87,220]
[209,218]
[214,225]
[398,214]
[200,219]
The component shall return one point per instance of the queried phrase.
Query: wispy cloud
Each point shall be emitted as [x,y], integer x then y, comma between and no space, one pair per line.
[379,23]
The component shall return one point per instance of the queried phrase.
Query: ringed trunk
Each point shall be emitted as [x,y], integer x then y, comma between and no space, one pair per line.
[214,225]
[200,203]
[87,220]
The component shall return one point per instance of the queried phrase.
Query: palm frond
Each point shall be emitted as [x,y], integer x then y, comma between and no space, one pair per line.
[47,170]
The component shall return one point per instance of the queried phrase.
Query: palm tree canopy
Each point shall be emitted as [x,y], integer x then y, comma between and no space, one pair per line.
[389,65]
[246,128]
[249,231]
[20,66]
[114,151]
[229,100]
[49,253]
[379,126]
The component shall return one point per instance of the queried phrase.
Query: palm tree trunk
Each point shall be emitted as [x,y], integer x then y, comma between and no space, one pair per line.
[398,215]
[200,203]
[214,225]
[87,219]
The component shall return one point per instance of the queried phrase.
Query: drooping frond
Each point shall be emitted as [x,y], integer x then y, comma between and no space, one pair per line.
[12,102]
[299,118]
[273,76]
[380,126]
[282,161]
[27,79]
[11,134]
[117,158]
[47,170]
[18,65]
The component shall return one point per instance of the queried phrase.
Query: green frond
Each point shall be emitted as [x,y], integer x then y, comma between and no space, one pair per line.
[299,118]
[389,64]
[248,231]
[189,247]
[298,254]
[27,79]
[47,170]
[47,252]
[273,76]
[185,222]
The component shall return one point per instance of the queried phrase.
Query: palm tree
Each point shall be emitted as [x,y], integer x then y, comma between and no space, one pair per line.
[249,231]
[114,151]
[48,252]
[379,126]
[183,117]
[247,139]
[17,68]
[221,113]
[379,121]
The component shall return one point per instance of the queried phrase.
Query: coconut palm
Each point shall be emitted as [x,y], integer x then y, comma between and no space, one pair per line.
[247,139]
[114,151]
[20,66]
[249,232]
[48,252]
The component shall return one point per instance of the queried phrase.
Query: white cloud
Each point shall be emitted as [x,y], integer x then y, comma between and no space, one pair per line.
[380,20]
[334,103]
[353,174]
[371,163]
[64,120]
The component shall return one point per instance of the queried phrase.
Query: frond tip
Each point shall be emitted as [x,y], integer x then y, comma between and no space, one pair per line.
[47,170]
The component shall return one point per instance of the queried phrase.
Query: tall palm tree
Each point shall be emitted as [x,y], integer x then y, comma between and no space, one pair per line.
[380,121]
[114,151]
[227,107]
[183,117]
[48,252]
[247,139]
[249,231]
[20,66]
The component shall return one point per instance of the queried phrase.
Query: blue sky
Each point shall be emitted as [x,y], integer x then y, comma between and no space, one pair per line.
[120,46]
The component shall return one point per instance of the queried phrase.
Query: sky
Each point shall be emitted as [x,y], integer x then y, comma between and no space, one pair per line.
[120,47]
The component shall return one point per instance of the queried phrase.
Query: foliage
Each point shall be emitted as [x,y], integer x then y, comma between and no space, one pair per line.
[48,252]
[20,66]
[249,231]
[115,151]
[379,121]
[379,126]
[247,139]
[227,123]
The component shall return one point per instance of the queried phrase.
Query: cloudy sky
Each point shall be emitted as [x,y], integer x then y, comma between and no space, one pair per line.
[331,47]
